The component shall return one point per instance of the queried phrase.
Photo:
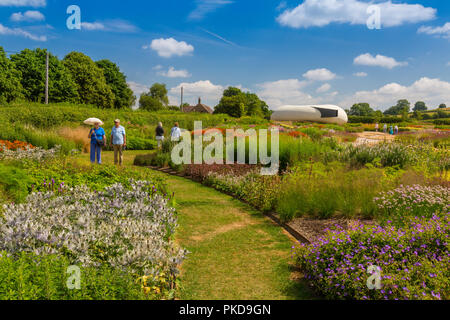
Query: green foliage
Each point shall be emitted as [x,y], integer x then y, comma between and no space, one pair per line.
[150,103]
[10,86]
[45,139]
[31,64]
[362,110]
[156,99]
[237,104]
[14,181]
[117,81]
[443,106]
[324,191]
[413,261]
[90,80]
[401,107]
[420,106]
[30,277]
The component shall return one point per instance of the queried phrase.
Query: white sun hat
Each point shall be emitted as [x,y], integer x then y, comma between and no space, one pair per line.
[93,121]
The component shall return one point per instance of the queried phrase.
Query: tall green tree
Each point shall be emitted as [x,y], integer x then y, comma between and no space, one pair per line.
[159,91]
[149,103]
[420,106]
[442,106]
[90,80]
[32,66]
[403,106]
[10,86]
[237,104]
[361,109]
[117,81]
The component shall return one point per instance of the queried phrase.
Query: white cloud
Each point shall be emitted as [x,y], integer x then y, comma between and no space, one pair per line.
[319,75]
[27,16]
[209,92]
[116,25]
[138,89]
[23,3]
[324,88]
[282,92]
[378,61]
[92,26]
[432,91]
[170,47]
[157,67]
[448,64]
[443,31]
[360,74]
[173,73]
[320,13]
[203,7]
[20,33]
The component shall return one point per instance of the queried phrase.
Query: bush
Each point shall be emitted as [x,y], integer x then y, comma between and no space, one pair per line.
[442,122]
[413,260]
[416,200]
[14,182]
[31,277]
[125,228]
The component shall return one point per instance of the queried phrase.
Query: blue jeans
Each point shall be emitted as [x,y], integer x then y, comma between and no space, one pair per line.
[96,153]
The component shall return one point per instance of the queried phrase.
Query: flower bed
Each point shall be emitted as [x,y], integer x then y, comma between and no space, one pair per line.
[28,152]
[128,229]
[414,200]
[413,260]
[16,145]
[202,171]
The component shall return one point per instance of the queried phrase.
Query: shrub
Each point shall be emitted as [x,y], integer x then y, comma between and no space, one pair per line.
[14,182]
[413,260]
[386,154]
[31,277]
[129,229]
[416,200]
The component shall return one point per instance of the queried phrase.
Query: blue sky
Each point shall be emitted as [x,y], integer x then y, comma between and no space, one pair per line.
[289,52]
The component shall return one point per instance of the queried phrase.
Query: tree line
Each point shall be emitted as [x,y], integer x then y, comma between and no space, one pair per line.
[403,108]
[234,102]
[75,79]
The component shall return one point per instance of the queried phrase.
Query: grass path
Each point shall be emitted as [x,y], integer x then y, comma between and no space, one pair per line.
[236,253]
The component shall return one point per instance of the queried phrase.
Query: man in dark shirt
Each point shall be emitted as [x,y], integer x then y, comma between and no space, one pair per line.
[160,135]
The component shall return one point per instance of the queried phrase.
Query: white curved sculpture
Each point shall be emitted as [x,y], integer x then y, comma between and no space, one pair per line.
[314,113]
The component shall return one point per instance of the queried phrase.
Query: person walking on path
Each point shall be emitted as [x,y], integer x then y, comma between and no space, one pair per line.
[385,128]
[377,127]
[391,130]
[98,141]
[160,135]
[118,141]
[396,130]
[175,133]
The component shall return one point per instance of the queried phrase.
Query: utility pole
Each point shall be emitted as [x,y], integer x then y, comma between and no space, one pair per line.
[182,93]
[46,80]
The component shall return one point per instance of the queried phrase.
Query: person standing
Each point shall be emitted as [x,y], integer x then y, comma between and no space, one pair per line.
[391,130]
[175,133]
[385,127]
[377,127]
[160,135]
[98,141]
[119,141]
[396,130]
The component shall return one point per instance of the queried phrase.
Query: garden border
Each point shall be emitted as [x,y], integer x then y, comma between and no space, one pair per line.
[272,215]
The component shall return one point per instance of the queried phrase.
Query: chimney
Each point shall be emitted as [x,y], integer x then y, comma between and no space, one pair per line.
[199,100]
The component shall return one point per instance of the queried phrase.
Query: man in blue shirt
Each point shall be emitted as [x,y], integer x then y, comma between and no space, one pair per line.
[119,141]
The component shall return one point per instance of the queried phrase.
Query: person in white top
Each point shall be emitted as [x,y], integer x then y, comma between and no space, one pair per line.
[175,133]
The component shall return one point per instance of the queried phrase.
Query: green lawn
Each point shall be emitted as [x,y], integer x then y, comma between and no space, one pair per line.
[235,252]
